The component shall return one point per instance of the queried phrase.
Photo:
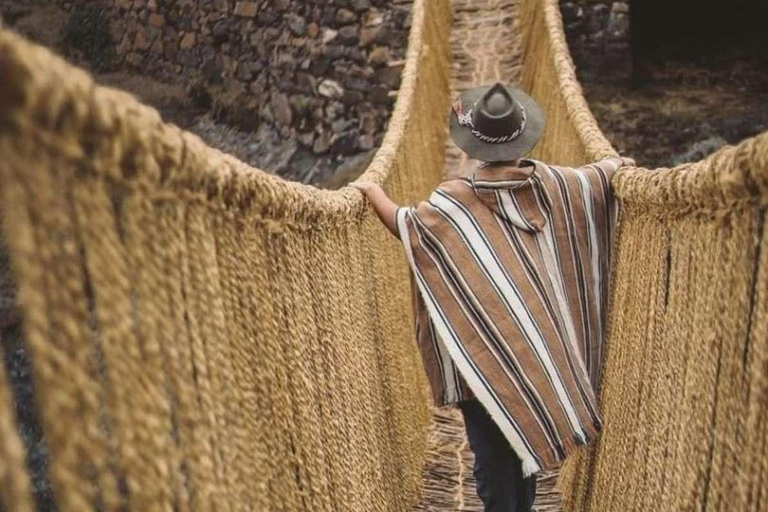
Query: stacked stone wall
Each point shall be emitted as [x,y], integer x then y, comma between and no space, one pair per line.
[324,72]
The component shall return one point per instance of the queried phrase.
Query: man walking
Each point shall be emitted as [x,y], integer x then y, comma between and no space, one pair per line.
[510,269]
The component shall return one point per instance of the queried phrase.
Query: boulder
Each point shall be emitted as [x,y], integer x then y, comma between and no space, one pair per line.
[246,9]
[365,142]
[348,34]
[330,89]
[373,18]
[360,5]
[329,35]
[379,55]
[369,35]
[157,20]
[297,25]
[322,143]
[281,108]
[345,16]
[188,41]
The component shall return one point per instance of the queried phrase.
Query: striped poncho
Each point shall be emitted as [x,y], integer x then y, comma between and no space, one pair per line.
[511,267]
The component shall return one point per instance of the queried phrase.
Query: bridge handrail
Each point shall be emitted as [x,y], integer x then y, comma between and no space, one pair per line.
[683,390]
[203,335]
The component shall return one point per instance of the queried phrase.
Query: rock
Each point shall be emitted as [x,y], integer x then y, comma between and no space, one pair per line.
[258,86]
[319,67]
[379,55]
[306,139]
[247,71]
[142,41]
[408,21]
[348,34]
[298,25]
[620,7]
[352,98]
[281,5]
[281,108]
[365,142]
[233,86]
[573,14]
[330,89]
[157,47]
[188,41]
[212,70]
[340,125]
[335,51]
[300,105]
[306,83]
[188,59]
[379,95]
[350,169]
[246,9]
[220,28]
[597,19]
[369,123]
[124,46]
[345,143]
[389,76]
[358,84]
[360,5]
[334,110]
[157,20]
[618,26]
[373,18]
[329,35]
[345,16]
[369,35]
[322,143]
[267,18]
[135,59]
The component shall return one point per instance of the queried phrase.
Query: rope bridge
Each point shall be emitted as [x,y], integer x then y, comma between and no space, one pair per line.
[205,336]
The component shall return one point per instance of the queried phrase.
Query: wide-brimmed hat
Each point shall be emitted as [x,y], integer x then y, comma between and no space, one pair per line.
[495,123]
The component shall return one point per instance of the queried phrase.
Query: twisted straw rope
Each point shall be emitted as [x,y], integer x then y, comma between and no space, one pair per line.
[684,389]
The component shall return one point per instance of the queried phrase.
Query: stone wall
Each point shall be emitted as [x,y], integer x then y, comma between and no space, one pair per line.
[324,72]
[599,30]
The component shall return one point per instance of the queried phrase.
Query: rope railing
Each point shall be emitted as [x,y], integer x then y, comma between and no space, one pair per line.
[684,392]
[205,336]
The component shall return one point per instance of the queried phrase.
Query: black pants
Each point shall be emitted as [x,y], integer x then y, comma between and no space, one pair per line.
[498,471]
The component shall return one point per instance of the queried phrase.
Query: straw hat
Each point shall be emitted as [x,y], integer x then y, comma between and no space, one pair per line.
[496,123]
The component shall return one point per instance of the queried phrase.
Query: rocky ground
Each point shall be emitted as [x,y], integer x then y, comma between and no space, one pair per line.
[681,111]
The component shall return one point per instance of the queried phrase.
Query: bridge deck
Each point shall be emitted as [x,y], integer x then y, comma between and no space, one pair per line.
[484,50]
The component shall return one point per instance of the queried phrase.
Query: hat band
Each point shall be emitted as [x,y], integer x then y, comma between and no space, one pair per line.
[466,120]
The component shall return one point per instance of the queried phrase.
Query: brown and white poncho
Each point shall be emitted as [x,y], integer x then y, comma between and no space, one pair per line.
[511,267]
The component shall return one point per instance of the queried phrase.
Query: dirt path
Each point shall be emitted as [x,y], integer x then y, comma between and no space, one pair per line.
[484,50]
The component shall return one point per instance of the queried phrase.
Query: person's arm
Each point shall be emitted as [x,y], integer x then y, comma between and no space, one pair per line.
[384,207]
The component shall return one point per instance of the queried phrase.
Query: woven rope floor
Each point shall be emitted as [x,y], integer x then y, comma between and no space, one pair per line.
[448,480]
[484,49]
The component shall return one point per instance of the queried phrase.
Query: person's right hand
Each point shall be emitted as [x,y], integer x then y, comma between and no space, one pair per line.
[627,162]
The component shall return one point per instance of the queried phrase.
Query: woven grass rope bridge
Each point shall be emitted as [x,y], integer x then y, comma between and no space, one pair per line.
[205,336]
